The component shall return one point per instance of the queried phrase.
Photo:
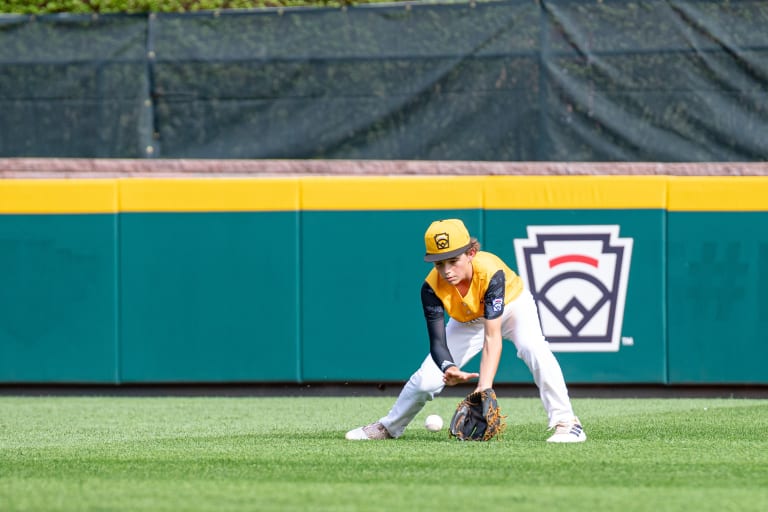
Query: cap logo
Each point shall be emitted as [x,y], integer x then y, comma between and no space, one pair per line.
[442,241]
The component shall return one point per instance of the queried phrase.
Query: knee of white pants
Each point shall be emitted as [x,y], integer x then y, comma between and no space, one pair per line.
[427,380]
[535,354]
[426,383]
[531,345]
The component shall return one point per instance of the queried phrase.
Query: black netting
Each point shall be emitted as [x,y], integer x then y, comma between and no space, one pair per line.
[73,86]
[513,80]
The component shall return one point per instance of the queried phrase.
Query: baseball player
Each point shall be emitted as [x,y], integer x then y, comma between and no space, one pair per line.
[486,301]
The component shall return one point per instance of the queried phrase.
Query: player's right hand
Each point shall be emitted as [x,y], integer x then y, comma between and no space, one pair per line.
[453,376]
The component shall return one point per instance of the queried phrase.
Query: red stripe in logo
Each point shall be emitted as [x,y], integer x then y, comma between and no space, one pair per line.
[572,258]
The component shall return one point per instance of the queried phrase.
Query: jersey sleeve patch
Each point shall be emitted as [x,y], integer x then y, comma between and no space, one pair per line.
[494,296]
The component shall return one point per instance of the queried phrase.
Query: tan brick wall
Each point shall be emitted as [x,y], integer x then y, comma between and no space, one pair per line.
[110,168]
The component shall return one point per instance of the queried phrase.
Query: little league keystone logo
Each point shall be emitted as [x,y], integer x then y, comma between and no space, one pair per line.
[578,276]
[442,241]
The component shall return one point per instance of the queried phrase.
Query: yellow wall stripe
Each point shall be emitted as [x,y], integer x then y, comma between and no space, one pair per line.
[208,194]
[742,193]
[575,192]
[391,193]
[68,196]
[58,196]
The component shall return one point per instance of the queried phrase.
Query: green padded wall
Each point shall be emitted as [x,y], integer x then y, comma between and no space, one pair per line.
[718,297]
[58,298]
[361,292]
[209,297]
[317,279]
[641,356]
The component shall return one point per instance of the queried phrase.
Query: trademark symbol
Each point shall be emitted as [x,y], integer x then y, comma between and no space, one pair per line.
[627,341]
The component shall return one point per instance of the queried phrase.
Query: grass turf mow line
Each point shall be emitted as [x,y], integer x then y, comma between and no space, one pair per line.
[270,454]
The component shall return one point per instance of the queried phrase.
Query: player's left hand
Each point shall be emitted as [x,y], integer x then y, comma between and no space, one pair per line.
[453,376]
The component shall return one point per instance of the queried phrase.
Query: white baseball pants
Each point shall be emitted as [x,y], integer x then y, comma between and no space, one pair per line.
[520,324]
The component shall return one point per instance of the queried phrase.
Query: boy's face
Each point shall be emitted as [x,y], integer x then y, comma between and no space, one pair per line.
[456,270]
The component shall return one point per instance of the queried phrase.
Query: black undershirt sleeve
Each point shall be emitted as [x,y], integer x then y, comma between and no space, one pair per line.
[494,296]
[434,313]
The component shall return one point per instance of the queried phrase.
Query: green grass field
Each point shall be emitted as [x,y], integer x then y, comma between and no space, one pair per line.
[264,454]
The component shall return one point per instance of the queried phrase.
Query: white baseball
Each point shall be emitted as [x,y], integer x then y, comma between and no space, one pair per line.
[433,423]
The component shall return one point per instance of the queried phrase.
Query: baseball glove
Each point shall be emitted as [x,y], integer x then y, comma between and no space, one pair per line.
[477,417]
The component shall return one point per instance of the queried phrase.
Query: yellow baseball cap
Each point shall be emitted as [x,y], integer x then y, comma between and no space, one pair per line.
[446,239]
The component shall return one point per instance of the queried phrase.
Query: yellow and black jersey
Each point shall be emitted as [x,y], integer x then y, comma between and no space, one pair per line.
[493,286]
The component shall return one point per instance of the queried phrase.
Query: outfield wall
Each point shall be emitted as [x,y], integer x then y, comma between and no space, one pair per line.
[316,279]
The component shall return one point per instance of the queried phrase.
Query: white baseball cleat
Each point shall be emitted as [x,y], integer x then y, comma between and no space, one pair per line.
[374,431]
[568,432]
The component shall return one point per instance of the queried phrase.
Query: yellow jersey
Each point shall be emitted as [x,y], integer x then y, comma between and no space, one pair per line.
[487,294]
